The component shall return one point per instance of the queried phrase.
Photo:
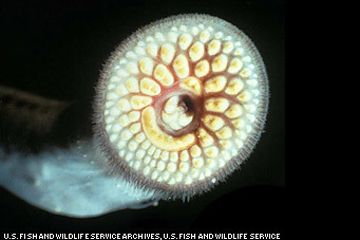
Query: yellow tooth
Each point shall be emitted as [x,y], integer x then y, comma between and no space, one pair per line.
[159,36]
[174,156]
[132,68]
[149,87]
[191,84]
[239,143]
[139,102]
[238,123]
[185,41]
[235,66]
[132,145]
[172,36]
[219,35]
[160,138]
[160,166]
[216,104]
[140,50]
[188,180]
[146,65]
[215,84]
[195,151]
[181,66]
[196,51]
[183,28]
[155,175]
[184,156]
[140,137]
[234,111]
[151,151]
[126,135]
[171,167]
[250,108]
[214,47]
[135,128]
[213,122]
[234,86]
[244,96]
[132,85]
[224,133]
[202,68]
[167,52]
[164,156]
[194,30]
[245,73]
[211,152]
[204,138]
[238,51]
[219,63]
[124,105]
[115,128]
[146,144]
[225,144]
[134,116]
[139,155]
[122,72]
[146,170]
[198,162]
[114,111]
[130,54]
[179,177]
[120,90]
[184,167]
[124,120]
[228,47]
[204,36]
[157,153]
[152,49]
[163,75]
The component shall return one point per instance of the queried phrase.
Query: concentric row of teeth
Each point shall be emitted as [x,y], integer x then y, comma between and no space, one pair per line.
[196,59]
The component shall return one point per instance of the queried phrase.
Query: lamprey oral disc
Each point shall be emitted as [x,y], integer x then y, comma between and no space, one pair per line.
[181,104]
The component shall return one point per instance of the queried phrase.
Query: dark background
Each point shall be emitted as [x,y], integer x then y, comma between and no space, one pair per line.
[57,49]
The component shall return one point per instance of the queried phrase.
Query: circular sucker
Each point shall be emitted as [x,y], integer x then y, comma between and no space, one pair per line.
[181,104]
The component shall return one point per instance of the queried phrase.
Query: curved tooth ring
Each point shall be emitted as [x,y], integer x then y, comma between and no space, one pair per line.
[181,104]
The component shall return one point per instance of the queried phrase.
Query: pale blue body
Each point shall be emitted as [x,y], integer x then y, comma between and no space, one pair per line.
[70,182]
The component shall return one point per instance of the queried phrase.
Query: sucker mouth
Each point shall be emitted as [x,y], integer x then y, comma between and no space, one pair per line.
[183,106]
[183,100]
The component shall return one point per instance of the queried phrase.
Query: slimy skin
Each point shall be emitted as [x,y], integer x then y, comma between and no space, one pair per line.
[70,182]
[181,104]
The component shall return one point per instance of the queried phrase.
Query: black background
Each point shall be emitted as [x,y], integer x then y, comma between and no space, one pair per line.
[57,50]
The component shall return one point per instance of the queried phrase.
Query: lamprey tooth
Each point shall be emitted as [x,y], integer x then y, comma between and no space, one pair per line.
[215,84]
[167,53]
[219,63]
[202,68]
[217,104]
[235,66]
[149,87]
[213,122]
[163,75]
[181,66]
[234,87]
[159,138]
[139,102]
[214,47]
[185,41]
[192,84]
[196,51]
